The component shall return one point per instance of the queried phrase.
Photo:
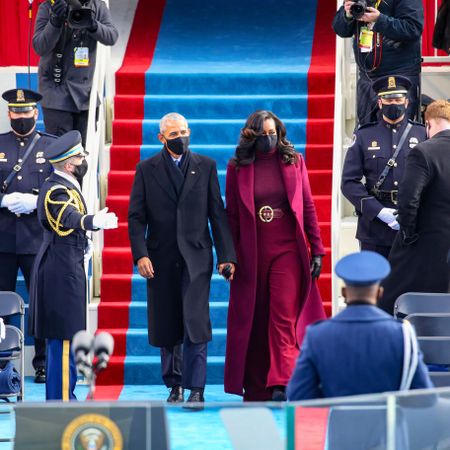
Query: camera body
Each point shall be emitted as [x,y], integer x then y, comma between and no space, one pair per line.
[79,14]
[358,8]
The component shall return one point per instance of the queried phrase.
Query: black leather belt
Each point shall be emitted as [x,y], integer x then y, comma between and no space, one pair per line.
[386,196]
[267,213]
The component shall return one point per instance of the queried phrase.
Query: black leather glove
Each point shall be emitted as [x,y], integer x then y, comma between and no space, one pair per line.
[316,266]
[58,13]
[93,24]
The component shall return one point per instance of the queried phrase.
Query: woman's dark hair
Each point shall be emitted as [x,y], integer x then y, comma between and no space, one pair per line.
[254,127]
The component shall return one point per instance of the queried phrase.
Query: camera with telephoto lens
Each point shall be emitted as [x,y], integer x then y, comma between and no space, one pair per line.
[358,8]
[79,14]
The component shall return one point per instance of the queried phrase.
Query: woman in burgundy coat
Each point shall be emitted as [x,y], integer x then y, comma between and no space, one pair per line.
[273,290]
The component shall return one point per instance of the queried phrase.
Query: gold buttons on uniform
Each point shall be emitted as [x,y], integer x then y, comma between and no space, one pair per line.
[19,160]
[395,164]
[19,177]
[395,183]
[394,146]
[373,156]
[395,131]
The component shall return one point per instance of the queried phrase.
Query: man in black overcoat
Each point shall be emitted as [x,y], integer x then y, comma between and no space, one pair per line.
[175,193]
[58,283]
[418,256]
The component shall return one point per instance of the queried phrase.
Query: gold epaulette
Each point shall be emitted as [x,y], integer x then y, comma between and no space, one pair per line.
[73,200]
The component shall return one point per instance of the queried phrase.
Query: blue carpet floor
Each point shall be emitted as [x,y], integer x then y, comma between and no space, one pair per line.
[188,430]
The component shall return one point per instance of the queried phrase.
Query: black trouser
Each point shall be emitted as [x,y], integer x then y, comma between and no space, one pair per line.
[10,264]
[381,249]
[184,364]
[367,107]
[58,122]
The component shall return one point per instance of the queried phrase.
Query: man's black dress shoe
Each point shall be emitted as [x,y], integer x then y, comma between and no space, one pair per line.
[39,376]
[279,394]
[195,399]
[176,395]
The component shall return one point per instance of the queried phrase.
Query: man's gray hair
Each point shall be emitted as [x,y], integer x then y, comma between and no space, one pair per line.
[173,116]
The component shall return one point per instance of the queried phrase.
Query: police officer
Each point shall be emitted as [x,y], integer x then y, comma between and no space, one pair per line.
[23,169]
[68,48]
[58,285]
[378,154]
[361,349]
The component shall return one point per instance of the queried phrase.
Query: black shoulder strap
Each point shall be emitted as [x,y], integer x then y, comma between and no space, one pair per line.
[391,162]
[18,167]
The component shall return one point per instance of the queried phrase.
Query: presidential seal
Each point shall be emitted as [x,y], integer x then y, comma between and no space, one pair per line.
[92,432]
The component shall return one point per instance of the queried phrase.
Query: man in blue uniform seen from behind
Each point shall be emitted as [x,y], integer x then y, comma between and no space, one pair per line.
[23,169]
[58,285]
[361,349]
[378,154]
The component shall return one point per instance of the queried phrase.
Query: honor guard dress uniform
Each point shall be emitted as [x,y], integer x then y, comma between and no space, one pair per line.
[58,288]
[361,349]
[23,170]
[378,154]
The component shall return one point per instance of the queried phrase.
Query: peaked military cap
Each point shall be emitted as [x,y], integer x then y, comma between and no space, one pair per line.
[364,268]
[21,100]
[392,86]
[64,147]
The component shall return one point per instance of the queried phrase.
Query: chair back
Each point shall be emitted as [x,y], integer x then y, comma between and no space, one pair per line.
[436,350]
[11,303]
[430,324]
[13,339]
[420,302]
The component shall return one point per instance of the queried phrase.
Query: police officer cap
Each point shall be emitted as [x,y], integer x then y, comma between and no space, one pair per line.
[364,268]
[21,100]
[392,86]
[64,147]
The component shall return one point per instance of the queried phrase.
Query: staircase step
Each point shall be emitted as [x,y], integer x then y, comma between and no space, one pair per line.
[257,83]
[119,205]
[117,237]
[147,369]
[211,131]
[117,260]
[222,106]
[125,157]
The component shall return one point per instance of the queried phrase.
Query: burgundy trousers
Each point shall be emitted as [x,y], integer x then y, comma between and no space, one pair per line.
[273,347]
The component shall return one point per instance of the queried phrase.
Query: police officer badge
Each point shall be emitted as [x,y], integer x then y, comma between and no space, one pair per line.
[413,142]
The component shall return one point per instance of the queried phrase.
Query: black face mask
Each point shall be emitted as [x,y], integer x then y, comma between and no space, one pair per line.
[265,144]
[178,145]
[393,112]
[80,171]
[23,125]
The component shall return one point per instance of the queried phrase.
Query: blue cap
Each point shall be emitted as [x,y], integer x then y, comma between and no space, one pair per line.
[64,147]
[362,269]
[21,100]
[392,86]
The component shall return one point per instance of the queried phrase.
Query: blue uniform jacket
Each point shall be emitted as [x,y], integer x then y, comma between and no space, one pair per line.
[373,146]
[22,234]
[400,26]
[359,351]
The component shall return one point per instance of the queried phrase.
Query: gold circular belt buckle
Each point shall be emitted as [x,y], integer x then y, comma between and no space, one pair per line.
[266,214]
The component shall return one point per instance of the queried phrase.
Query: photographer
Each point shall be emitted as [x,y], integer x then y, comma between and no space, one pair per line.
[386,40]
[66,36]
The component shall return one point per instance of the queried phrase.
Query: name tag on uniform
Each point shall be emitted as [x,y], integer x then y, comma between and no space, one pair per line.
[81,58]
[374,146]
[2,158]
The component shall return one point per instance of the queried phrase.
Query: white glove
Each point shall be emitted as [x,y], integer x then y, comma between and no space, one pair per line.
[394,225]
[23,203]
[9,199]
[105,220]
[387,215]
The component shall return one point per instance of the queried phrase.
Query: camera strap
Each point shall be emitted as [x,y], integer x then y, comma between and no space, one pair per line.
[58,67]
[18,167]
[392,160]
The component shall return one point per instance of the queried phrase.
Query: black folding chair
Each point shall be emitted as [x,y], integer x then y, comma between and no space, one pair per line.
[12,304]
[11,349]
[421,302]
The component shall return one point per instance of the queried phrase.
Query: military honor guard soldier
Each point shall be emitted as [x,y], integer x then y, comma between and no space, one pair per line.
[23,169]
[378,154]
[58,287]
